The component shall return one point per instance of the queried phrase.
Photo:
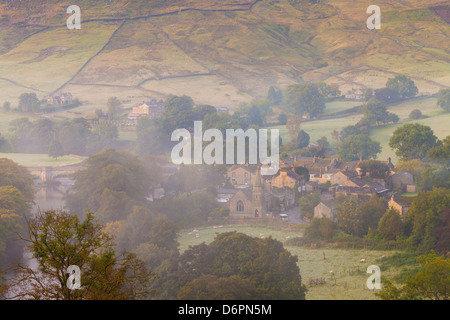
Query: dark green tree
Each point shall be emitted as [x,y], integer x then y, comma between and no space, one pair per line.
[374,168]
[404,86]
[391,225]
[305,99]
[430,283]
[282,119]
[415,114]
[444,99]
[111,181]
[113,108]
[29,102]
[275,96]
[303,139]
[210,287]
[412,141]
[375,112]
[358,147]
[55,149]
[425,215]
[7,106]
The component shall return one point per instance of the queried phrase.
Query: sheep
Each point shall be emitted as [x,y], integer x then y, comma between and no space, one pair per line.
[362,260]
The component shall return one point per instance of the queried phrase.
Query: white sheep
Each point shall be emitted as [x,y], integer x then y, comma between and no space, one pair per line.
[362,260]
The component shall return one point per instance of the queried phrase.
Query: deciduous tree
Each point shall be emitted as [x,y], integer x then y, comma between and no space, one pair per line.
[412,141]
[58,240]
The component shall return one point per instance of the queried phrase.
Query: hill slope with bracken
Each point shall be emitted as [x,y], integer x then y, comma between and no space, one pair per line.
[219,52]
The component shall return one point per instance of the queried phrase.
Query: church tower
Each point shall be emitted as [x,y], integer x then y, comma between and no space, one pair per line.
[258,196]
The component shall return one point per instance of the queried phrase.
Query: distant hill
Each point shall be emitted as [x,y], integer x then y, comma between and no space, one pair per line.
[219,52]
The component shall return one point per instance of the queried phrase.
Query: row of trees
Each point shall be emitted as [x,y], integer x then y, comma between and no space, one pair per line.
[16,198]
[425,227]
[45,136]
[30,103]
[129,248]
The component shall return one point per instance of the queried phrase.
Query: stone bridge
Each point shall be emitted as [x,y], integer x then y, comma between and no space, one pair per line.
[46,174]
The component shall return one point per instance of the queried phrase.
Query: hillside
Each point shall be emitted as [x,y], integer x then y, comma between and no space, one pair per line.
[219,52]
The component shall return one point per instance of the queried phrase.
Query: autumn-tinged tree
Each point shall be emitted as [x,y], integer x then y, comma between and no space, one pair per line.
[391,225]
[13,174]
[320,229]
[58,240]
[425,215]
[349,217]
[443,234]
[307,204]
[16,196]
[432,282]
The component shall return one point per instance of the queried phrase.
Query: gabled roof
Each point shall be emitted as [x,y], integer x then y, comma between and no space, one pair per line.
[403,201]
[358,182]
[250,168]
[402,172]
[357,190]
[331,203]
[376,186]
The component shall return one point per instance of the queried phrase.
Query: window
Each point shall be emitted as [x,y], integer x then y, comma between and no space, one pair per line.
[240,206]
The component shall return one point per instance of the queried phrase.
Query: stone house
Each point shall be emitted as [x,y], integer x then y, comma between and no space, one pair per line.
[400,204]
[327,209]
[241,175]
[286,178]
[401,178]
[60,98]
[150,110]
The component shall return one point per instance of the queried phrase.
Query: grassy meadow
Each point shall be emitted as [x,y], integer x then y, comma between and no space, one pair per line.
[349,274]
[40,160]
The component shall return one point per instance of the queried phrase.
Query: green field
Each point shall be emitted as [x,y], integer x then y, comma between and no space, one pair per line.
[217,57]
[40,160]
[319,128]
[436,119]
[349,274]
[336,106]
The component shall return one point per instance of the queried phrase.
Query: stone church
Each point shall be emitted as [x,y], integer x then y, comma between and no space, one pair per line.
[250,202]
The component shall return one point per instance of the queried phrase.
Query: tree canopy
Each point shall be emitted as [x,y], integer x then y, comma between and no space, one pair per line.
[258,266]
[444,99]
[412,141]
[110,185]
[59,240]
[358,147]
[305,99]
[404,86]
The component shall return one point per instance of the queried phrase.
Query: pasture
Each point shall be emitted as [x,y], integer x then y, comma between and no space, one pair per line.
[348,280]
[40,160]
